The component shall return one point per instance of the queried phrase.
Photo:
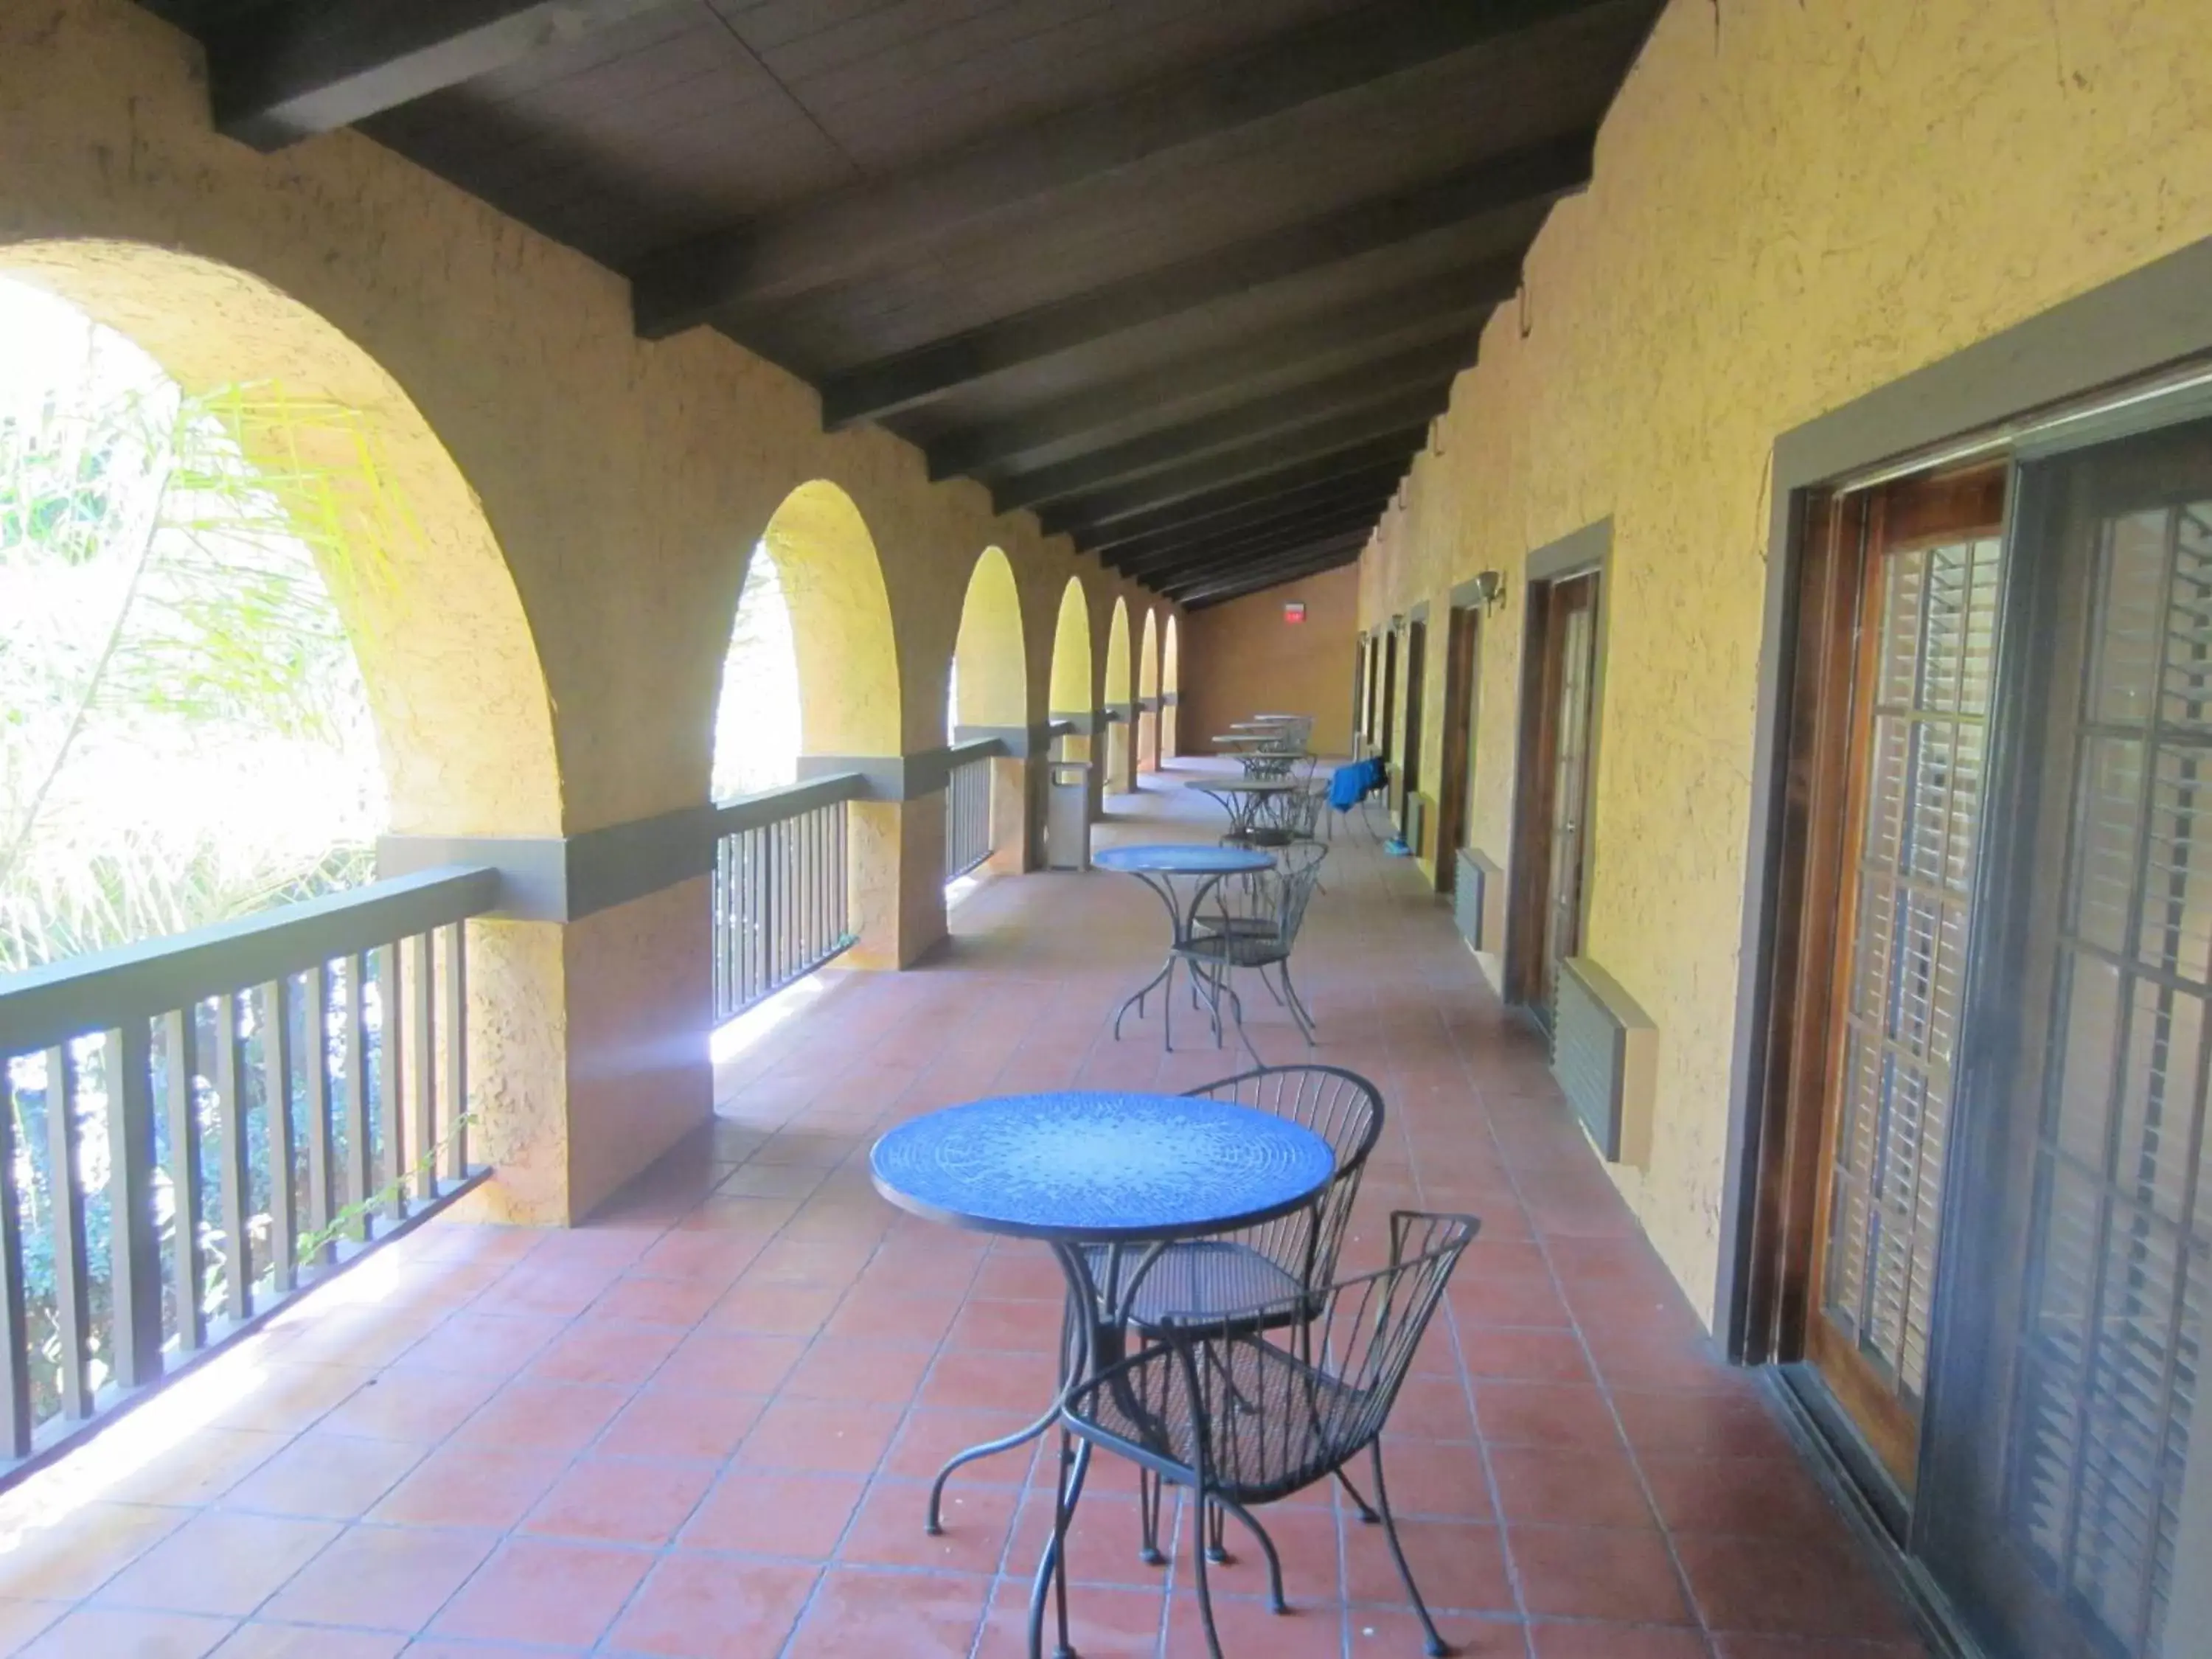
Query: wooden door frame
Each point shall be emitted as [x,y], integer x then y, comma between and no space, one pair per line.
[1584,552]
[1462,686]
[1417,667]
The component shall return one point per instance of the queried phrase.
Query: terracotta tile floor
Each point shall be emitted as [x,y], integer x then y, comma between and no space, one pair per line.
[704,1425]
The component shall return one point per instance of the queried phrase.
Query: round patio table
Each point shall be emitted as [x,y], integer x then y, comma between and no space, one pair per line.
[1109,1180]
[1243,798]
[1160,867]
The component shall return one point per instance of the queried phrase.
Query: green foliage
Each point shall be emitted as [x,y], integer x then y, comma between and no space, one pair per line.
[186,737]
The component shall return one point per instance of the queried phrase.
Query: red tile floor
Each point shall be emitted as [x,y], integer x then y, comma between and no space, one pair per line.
[704,1425]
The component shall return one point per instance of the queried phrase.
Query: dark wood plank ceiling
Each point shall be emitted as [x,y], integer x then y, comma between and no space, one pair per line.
[1186,278]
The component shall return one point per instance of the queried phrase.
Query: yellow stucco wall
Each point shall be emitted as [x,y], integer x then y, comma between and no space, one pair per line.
[1794,204]
[623,482]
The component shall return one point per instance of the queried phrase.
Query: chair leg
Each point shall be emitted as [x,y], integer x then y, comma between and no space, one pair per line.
[1275,1600]
[1436,1644]
[1367,1515]
[1217,1550]
[1150,1489]
[1205,1589]
[1299,1010]
[1270,984]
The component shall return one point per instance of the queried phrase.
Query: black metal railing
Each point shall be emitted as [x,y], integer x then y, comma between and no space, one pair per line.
[968,808]
[782,901]
[197,1128]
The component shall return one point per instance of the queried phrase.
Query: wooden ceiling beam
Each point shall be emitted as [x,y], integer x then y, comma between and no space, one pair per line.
[1227,550]
[1204,479]
[816,244]
[1536,174]
[1407,416]
[1450,305]
[1137,554]
[279,73]
[1301,486]
[1255,578]
[1409,385]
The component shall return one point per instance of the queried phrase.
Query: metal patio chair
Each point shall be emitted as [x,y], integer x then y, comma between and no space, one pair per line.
[1224,1407]
[1281,1264]
[1253,923]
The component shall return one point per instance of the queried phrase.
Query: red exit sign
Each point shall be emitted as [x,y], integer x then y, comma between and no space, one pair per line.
[1294,610]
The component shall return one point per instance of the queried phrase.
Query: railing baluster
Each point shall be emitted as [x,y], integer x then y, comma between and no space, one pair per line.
[72,1283]
[322,1155]
[119,1036]
[14,1310]
[421,990]
[134,1241]
[355,1038]
[277,1096]
[457,1050]
[180,1090]
[230,1151]
[391,1076]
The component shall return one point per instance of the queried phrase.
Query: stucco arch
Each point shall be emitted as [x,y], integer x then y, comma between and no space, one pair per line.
[1121,769]
[1148,689]
[463,723]
[1071,680]
[993,679]
[841,623]
[1171,681]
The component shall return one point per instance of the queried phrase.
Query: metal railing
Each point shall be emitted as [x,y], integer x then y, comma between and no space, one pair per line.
[968,808]
[781,900]
[197,1128]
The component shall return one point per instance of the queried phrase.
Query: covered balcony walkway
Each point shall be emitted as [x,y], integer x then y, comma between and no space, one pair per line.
[703,1424]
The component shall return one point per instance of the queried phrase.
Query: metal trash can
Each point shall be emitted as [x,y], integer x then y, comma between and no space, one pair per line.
[1067,816]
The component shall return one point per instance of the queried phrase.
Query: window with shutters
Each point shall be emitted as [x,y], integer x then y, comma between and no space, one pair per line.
[2114,1309]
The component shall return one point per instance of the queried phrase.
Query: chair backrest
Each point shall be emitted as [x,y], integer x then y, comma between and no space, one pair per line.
[1346,1111]
[1298,874]
[1362,1336]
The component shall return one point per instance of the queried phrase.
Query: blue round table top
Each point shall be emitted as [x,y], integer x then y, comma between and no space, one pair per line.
[1183,859]
[1101,1167]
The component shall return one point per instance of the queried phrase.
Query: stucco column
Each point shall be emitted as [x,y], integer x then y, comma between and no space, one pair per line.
[898,874]
[1017,786]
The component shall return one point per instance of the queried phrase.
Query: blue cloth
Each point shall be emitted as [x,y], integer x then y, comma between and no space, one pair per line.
[1101,1167]
[1348,786]
[1178,858]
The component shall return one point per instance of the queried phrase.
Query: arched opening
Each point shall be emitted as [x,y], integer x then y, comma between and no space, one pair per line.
[986,812]
[841,623]
[810,686]
[464,726]
[251,617]
[1121,772]
[188,738]
[990,678]
[1170,679]
[1071,668]
[1148,694]
[757,711]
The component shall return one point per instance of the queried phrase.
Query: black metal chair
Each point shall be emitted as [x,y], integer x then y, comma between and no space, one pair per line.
[1253,923]
[1222,1406]
[1282,1264]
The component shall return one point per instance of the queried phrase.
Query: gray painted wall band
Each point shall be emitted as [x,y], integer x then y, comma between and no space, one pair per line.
[1083,722]
[2130,327]
[563,878]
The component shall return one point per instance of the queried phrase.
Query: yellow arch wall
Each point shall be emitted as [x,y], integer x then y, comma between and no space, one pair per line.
[1788,211]
[841,623]
[1148,685]
[994,686]
[1072,679]
[1170,684]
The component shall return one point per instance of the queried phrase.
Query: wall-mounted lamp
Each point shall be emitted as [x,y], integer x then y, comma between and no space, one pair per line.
[1490,590]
